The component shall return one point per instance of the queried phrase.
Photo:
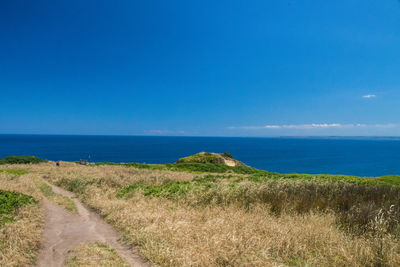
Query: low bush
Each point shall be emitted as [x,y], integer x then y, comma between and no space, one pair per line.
[21,160]
[203,157]
[10,201]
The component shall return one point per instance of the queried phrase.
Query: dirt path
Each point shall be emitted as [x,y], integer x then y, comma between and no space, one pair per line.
[64,231]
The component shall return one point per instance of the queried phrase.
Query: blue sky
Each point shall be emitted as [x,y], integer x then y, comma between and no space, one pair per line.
[208,68]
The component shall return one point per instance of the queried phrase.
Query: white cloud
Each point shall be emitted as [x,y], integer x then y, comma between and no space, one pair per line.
[317,126]
[314,126]
[293,126]
[369,96]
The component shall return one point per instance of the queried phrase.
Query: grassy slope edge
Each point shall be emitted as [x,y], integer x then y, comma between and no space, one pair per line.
[21,219]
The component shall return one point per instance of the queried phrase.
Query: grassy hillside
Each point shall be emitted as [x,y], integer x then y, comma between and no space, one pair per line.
[194,215]
[210,214]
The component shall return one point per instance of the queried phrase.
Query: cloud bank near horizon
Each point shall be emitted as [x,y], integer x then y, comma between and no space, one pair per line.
[316,126]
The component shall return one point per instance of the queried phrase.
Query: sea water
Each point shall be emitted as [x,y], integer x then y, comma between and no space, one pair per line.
[316,155]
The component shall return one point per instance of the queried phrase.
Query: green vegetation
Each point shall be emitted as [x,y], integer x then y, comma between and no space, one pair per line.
[14,172]
[59,199]
[169,190]
[227,155]
[203,157]
[214,163]
[190,167]
[384,180]
[212,168]
[10,201]
[388,179]
[207,157]
[76,185]
[21,160]
[356,203]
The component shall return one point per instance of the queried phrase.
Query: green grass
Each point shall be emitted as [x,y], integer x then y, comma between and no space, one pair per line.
[392,180]
[210,181]
[203,157]
[389,179]
[59,199]
[21,160]
[10,201]
[14,172]
[46,190]
[169,190]
[179,189]
[189,167]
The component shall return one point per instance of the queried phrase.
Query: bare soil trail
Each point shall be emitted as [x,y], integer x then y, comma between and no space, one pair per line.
[65,231]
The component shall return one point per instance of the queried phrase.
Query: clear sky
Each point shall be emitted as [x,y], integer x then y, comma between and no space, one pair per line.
[219,68]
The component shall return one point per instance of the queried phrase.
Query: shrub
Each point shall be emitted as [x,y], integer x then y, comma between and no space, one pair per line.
[203,157]
[21,160]
[10,201]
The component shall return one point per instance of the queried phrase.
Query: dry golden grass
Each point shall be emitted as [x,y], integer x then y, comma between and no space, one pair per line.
[178,233]
[173,235]
[94,254]
[23,184]
[121,176]
[20,239]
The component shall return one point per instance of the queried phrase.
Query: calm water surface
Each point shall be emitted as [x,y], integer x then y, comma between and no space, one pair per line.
[352,156]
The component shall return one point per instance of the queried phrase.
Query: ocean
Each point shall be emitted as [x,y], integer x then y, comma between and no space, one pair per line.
[314,155]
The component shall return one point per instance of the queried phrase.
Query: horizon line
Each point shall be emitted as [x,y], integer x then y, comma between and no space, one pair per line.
[221,136]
